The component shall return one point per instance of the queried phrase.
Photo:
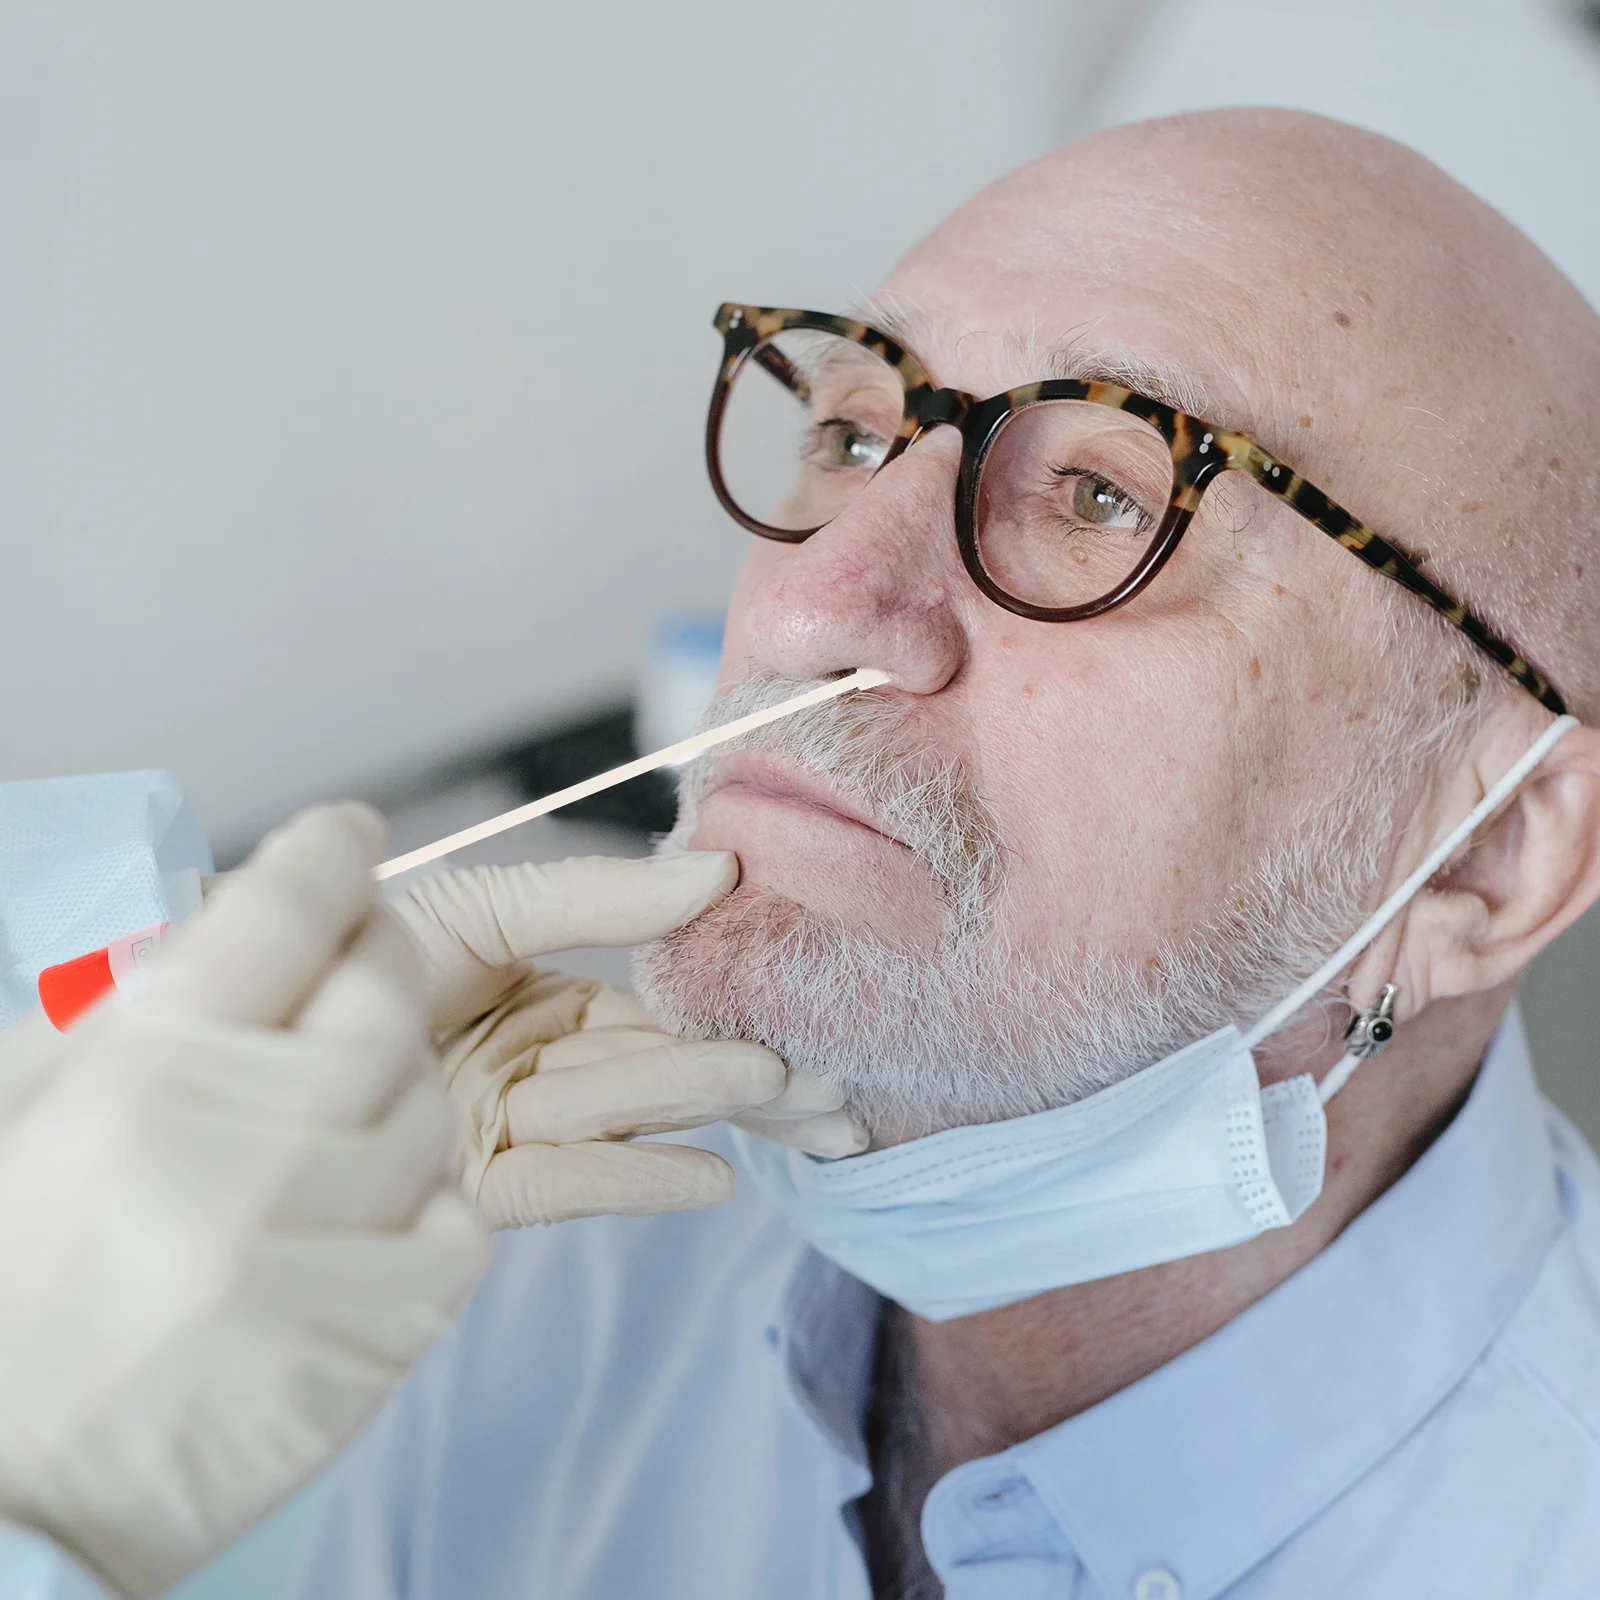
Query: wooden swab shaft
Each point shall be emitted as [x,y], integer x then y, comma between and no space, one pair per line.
[866,678]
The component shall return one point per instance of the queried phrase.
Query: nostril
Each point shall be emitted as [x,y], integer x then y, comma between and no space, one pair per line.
[867,677]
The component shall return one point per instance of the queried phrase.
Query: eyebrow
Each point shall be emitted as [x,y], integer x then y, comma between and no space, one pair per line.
[1152,376]
[1074,356]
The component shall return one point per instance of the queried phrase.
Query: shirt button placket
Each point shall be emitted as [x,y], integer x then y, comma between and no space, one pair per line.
[989,1537]
[1157,1584]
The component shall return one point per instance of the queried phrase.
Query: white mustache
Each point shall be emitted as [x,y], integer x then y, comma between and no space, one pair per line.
[859,744]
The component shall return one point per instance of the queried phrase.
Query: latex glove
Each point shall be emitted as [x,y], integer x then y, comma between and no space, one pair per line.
[556,1073]
[227,1221]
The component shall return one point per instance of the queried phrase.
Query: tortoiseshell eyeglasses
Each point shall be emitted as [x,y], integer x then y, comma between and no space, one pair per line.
[1071,495]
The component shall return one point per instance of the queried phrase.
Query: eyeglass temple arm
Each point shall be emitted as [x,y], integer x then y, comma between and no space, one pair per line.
[783,369]
[1387,559]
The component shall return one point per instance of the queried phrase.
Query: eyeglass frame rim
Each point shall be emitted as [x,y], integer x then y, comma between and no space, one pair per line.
[1201,451]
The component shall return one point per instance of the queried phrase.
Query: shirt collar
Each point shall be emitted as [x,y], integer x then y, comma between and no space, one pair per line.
[1212,1461]
[827,1333]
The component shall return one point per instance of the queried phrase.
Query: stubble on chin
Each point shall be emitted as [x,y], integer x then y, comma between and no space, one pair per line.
[707,979]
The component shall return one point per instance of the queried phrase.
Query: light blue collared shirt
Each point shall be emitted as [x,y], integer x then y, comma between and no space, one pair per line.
[673,1408]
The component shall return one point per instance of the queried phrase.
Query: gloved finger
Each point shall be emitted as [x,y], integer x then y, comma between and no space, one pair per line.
[370,1002]
[359,1039]
[830,1134]
[384,1294]
[264,1072]
[585,1045]
[315,1331]
[805,1094]
[373,1177]
[612,1007]
[473,926]
[30,1052]
[535,1183]
[809,1115]
[272,929]
[676,1085]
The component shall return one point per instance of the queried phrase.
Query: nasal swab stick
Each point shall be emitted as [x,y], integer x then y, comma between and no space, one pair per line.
[865,678]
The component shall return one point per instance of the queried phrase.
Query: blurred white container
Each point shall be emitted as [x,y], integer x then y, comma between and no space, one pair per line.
[677,681]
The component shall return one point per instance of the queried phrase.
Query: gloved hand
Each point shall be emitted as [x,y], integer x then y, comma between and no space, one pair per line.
[557,1073]
[227,1224]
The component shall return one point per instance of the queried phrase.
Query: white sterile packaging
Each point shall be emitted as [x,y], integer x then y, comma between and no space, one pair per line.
[87,862]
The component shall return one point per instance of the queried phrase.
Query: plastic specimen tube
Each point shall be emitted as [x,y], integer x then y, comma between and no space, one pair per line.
[683,750]
[68,989]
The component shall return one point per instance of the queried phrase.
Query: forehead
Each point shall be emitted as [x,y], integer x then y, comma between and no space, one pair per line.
[1237,316]
[984,361]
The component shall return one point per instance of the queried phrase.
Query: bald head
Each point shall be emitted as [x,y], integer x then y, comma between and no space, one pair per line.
[1341,299]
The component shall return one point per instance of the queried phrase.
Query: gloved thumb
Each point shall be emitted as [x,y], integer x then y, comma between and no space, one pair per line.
[473,927]
[30,1050]
[268,934]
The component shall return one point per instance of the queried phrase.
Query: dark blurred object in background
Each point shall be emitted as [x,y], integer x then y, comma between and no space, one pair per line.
[571,751]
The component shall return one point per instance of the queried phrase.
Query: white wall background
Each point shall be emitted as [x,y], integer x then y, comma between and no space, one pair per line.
[1503,94]
[354,355]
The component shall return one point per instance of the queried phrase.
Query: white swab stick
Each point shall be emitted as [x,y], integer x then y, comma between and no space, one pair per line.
[866,678]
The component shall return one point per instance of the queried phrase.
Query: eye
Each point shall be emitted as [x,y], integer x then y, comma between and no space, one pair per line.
[1100,503]
[1097,502]
[838,445]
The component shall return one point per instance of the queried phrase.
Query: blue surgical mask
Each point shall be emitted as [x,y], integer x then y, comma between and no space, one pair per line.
[1184,1157]
[85,862]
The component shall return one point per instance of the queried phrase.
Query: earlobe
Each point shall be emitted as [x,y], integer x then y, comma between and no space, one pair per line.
[1533,871]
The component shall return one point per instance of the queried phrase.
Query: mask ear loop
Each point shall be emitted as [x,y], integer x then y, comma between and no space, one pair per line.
[1368,1033]
[1397,902]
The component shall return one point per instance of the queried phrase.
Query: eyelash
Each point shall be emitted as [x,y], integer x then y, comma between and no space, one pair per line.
[834,426]
[1104,484]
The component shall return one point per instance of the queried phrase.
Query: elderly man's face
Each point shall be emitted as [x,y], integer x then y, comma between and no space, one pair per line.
[1168,795]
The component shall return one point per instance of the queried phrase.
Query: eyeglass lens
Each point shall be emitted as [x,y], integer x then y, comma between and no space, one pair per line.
[1070,496]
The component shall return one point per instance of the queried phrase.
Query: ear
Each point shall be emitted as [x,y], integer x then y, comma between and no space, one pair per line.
[1532,871]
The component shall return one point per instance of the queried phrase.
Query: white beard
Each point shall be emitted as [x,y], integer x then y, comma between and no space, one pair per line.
[977,1030]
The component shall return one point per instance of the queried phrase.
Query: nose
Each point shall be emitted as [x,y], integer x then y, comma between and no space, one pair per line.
[879,586]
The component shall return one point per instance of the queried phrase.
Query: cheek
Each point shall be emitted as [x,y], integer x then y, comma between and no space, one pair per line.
[1116,782]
